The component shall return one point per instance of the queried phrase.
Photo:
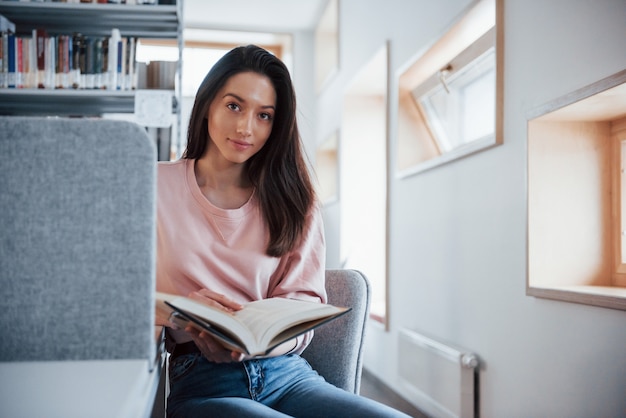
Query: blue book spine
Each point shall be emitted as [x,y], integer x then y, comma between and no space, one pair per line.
[12,61]
[120,57]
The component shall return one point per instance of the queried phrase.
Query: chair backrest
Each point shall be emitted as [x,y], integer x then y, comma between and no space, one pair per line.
[77,239]
[336,351]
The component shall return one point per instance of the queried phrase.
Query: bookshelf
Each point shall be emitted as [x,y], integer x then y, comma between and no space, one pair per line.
[90,19]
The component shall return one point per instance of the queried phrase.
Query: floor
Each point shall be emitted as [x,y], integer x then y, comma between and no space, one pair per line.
[373,388]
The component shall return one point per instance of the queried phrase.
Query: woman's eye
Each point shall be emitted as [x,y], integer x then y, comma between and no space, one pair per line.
[266,116]
[233,106]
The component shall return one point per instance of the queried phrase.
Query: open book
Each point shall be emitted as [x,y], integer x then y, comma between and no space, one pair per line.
[257,328]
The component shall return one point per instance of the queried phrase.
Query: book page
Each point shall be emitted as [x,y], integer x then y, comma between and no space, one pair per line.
[268,317]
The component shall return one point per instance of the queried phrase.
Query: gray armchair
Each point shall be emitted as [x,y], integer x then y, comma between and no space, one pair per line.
[336,351]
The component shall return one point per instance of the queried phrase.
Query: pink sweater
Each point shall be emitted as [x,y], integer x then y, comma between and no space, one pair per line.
[202,246]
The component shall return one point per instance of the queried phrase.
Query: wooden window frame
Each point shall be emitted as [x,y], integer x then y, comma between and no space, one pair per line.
[417,150]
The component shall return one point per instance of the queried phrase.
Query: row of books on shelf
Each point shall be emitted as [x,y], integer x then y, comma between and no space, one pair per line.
[67,61]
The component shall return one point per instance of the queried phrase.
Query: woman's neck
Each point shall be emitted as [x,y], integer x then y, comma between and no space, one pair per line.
[224,185]
[220,176]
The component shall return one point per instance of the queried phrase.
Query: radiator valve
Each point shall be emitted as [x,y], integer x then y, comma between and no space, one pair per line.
[469,360]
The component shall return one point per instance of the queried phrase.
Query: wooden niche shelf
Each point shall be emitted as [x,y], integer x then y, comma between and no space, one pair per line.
[577,196]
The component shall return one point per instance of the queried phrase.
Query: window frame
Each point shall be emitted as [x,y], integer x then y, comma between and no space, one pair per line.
[618,138]
[417,149]
[457,68]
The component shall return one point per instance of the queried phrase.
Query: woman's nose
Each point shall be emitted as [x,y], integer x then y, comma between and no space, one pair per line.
[244,126]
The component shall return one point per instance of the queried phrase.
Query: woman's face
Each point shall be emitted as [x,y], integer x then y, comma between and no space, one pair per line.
[241,116]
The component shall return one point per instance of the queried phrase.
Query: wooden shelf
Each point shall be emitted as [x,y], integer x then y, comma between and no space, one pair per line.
[67,102]
[147,21]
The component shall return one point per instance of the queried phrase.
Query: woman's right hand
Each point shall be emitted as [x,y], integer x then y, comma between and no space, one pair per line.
[212,349]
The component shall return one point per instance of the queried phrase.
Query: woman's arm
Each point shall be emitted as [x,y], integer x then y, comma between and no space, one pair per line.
[302,272]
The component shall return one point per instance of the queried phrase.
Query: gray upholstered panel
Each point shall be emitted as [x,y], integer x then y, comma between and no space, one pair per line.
[336,349]
[77,246]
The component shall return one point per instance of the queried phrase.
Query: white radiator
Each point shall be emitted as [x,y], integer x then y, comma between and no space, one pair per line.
[437,378]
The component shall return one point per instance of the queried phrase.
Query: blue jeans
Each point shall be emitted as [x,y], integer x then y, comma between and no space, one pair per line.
[273,387]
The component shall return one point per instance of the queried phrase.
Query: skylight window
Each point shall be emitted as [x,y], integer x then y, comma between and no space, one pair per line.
[461,107]
[448,96]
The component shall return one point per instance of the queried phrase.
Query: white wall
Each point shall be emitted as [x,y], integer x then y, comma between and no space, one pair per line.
[303,76]
[458,232]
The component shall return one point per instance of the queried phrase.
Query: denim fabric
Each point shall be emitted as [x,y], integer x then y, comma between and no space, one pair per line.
[274,387]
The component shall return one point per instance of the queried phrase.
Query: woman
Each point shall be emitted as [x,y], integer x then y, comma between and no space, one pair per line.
[238,221]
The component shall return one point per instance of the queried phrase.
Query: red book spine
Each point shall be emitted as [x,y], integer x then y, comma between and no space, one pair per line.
[41,57]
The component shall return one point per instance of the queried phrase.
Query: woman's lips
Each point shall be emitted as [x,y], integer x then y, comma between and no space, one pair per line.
[240,145]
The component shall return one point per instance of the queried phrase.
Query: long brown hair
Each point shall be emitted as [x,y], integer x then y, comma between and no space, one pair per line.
[278,171]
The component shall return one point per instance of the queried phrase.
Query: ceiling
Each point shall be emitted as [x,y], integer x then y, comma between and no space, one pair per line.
[253,15]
